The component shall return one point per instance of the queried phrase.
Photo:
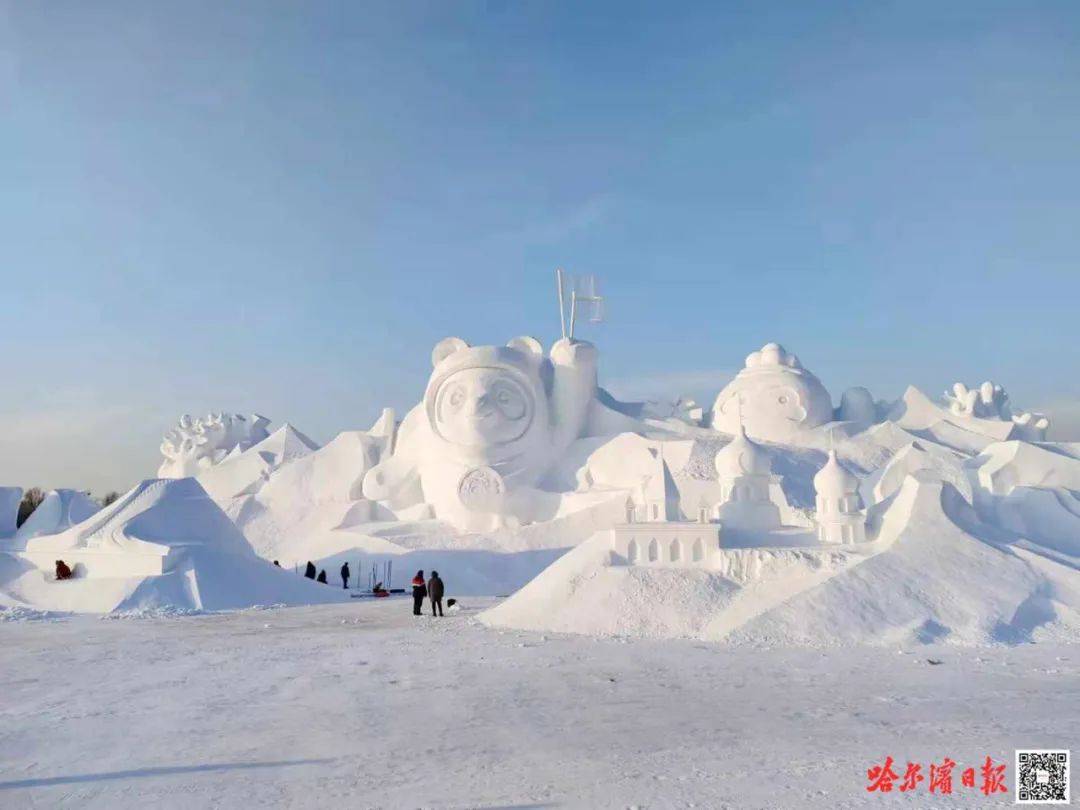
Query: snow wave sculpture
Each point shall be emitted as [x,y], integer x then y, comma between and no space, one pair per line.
[494,419]
[196,444]
[776,396]
[990,401]
[61,509]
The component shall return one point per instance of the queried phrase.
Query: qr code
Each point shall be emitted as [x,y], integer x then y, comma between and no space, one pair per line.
[1042,777]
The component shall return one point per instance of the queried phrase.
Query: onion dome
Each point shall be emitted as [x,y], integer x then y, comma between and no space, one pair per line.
[742,457]
[834,480]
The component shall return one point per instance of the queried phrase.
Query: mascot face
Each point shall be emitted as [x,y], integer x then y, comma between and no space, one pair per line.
[778,397]
[779,402]
[483,406]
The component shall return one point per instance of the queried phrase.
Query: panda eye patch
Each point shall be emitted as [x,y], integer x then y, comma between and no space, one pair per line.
[456,397]
[509,402]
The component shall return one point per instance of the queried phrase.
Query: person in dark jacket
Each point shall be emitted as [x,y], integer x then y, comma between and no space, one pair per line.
[419,591]
[345,576]
[62,570]
[309,572]
[435,592]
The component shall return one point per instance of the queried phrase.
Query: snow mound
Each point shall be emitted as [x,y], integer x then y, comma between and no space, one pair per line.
[244,472]
[163,545]
[61,509]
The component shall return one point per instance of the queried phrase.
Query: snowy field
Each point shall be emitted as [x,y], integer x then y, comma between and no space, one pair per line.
[362,705]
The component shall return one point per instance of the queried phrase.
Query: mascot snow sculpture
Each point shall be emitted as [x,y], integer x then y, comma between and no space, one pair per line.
[990,401]
[493,421]
[196,444]
[777,396]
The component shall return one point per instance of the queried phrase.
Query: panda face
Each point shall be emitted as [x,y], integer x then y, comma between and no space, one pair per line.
[482,406]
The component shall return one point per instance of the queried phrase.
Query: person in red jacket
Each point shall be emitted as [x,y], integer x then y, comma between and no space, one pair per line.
[419,591]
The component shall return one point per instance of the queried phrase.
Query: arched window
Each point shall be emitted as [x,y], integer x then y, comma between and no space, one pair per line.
[654,551]
[698,553]
[673,552]
[632,552]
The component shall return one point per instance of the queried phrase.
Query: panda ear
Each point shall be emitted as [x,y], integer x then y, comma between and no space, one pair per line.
[446,347]
[527,345]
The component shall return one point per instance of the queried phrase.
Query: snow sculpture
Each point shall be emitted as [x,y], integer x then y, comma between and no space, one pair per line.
[989,401]
[857,405]
[60,510]
[942,462]
[1003,466]
[196,444]
[745,474]
[839,509]
[779,398]
[142,533]
[493,420]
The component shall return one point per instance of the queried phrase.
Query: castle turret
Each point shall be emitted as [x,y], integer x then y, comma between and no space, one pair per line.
[839,508]
[745,472]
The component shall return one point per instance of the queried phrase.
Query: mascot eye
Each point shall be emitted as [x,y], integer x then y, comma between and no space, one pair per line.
[457,396]
[783,400]
[509,402]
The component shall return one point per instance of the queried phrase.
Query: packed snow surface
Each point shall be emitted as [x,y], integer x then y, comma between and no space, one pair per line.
[363,705]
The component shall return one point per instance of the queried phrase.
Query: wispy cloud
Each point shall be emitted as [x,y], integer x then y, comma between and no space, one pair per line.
[570,221]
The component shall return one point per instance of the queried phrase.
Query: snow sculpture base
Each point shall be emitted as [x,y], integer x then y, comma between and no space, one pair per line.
[749,516]
[96,564]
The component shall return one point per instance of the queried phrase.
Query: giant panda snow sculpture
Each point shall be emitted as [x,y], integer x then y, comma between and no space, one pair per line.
[773,397]
[494,419]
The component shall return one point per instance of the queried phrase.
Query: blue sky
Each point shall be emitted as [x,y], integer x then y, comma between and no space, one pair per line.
[282,207]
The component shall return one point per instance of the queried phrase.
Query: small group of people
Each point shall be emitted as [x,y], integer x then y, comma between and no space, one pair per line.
[433,589]
[309,572]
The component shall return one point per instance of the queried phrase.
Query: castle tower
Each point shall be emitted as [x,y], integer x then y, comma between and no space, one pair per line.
[839,508]
[745,472]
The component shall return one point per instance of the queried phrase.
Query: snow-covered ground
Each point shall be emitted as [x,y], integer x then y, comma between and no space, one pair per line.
[363,705]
